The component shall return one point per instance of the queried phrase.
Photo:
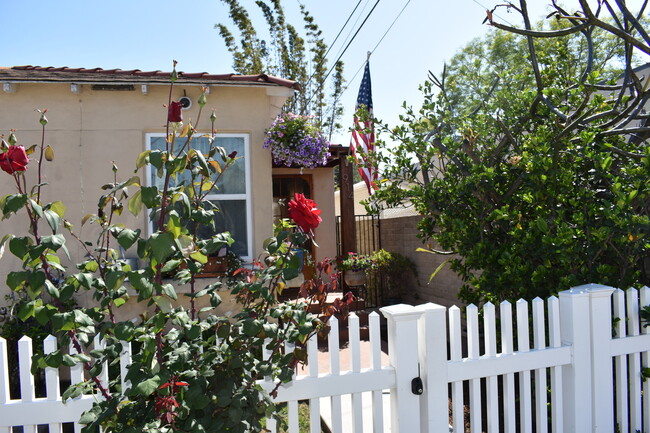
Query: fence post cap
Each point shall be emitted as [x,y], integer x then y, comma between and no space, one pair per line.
[595,290]
[430,306]
[401,312]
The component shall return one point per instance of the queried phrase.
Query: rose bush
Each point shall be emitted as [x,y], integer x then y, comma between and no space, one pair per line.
[194,370]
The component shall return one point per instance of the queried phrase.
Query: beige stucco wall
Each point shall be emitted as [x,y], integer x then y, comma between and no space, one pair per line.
[91,129]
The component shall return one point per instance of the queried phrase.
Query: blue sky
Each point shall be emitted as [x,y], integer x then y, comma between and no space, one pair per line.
[149,34]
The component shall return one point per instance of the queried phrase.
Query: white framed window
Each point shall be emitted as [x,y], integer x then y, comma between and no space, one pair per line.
[231,197]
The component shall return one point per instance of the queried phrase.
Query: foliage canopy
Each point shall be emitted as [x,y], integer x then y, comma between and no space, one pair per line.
[529,158]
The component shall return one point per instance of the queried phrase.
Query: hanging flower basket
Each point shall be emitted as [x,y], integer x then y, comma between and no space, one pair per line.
[295,142]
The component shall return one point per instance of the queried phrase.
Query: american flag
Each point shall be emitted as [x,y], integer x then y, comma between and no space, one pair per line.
[363,135]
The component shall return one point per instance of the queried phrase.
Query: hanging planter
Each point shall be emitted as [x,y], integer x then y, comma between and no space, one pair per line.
[295,142]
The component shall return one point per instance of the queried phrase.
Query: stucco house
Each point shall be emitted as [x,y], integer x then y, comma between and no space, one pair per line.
[98,117]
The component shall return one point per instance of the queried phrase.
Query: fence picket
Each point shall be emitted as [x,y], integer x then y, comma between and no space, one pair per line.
[355,364]
[27,392]
[52,390]
[555,340]
[4,380]
[335,370]
[375,364]
[473,352]
[634,361]
[125,361]
[455,335]
[507,348]
[539,340]
[101,344]
[271,423]
[314,403]
[645,359]
[490,333]
[292,412]
[523,345]
[620,362]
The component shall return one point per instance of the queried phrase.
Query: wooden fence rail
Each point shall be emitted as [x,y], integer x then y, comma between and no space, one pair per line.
[572,363]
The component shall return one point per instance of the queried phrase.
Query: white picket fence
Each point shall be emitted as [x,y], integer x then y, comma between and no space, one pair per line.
[572,369]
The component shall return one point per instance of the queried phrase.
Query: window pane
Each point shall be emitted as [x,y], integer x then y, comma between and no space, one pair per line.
[233,180]
[230,217]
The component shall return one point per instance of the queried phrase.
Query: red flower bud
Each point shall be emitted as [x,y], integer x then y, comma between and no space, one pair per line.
[174,113]
[232,154]
[14,159]
[304,213]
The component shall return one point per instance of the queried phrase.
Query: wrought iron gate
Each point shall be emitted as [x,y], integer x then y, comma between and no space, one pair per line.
[368,228]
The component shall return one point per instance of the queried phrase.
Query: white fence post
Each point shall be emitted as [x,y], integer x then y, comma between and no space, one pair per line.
[403,357]
[602,383]
[433,360]
[576,377]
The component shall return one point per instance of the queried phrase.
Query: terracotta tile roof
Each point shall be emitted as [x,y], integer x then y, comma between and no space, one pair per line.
[64,74]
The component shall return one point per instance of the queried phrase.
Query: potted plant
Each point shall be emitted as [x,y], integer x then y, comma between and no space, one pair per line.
[294,141]
[396,270]
[354,267]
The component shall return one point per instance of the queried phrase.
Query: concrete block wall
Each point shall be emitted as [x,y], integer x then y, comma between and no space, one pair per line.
[400,235]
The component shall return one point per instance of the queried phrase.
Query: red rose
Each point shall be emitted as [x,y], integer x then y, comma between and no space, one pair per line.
[174,113]
[304,213]
[14,159]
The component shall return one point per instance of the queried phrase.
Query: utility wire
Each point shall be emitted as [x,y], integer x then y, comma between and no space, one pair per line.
[334,42]
[344,50]
[499,16]
[377,45]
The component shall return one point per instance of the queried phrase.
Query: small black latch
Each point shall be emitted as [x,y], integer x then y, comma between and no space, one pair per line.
[417,387]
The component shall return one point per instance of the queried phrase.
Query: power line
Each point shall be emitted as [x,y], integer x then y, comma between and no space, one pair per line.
[377,45]
[344,50]
[499,16]
[334,42]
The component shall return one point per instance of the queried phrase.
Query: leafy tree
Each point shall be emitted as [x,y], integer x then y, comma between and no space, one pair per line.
[287,54]
[528,158]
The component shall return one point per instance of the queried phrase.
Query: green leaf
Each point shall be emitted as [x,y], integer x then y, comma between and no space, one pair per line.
[146,387]
[199,257]
[174,225]
[142,283]
[164,303]
[142,159]
[19,247]
[37,208]
[161,245]
[156,158]
[81,318]
[114,279]
[542,226]
[12,203]
[135,203]
[124,331]
[127,237]
[150,196]
[58,208]
[252,327]
[63,321]
[54,242]
[168,290]
[53,219]
[16,280]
